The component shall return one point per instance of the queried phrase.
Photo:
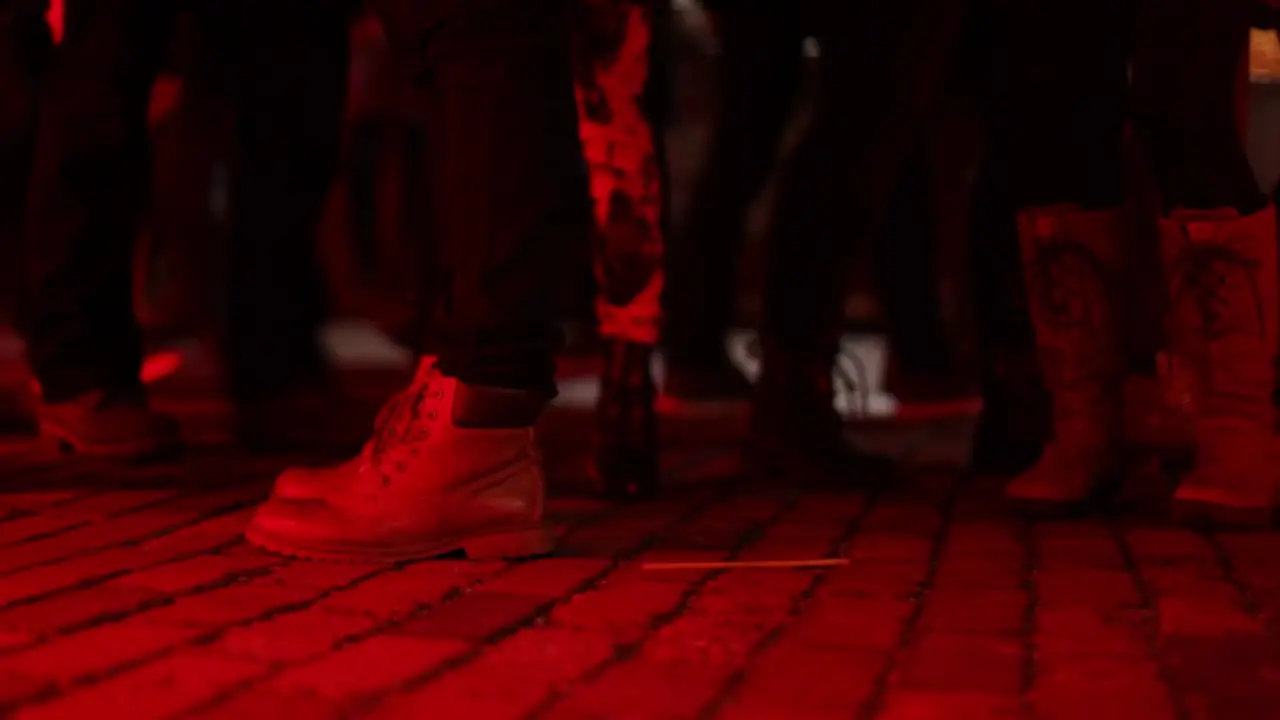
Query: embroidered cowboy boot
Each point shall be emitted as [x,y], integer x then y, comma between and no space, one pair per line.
[1222,274]
[1071,261]
[451,467]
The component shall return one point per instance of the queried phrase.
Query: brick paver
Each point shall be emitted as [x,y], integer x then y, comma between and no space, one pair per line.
[146,600]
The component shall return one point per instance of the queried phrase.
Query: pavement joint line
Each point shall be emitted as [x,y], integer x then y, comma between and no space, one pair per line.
[743,564]
[96,580]
[626,651]
[276,668]
[731,685]
[1030,568]
[213,634]
[689,515]
[225,508]
[875,703]
[1231,574]
[1147,597]
[123,512]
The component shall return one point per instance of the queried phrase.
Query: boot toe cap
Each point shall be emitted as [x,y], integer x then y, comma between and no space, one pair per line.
[302,483]
[1214,504]
[299,527]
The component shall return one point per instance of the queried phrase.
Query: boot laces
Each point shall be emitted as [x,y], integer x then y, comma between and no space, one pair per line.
[401,428]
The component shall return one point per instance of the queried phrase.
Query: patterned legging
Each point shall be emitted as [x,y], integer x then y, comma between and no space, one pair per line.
[619,109]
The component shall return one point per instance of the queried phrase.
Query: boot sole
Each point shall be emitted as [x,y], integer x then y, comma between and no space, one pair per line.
[146,451]
[1199,513]
[516,545]
[865,473]
[1045,509]
[1052,509]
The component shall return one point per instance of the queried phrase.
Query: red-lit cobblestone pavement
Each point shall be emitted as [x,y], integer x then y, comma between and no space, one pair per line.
[144,603]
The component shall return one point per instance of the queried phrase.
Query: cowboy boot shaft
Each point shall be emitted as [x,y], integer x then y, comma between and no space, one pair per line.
[1072,262]
[1222,275]
[1221,270]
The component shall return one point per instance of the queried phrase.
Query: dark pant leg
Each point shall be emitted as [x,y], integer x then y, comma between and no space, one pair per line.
[1186,66]
[1059,100]
[882,65]
[282,68]
[999,297]
[759,79]
[186,221]
[86,192]
[24,51]
[905,255]
[504,176]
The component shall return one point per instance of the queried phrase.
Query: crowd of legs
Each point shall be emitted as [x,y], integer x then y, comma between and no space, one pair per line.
[532,133]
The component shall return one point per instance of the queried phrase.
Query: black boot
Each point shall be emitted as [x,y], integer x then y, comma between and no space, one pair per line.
[626,459]
[1013,426]
[796,435]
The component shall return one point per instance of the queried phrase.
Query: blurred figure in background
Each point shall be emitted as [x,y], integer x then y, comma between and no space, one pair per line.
[760,74]
[276,69]
[371,247]
[919,289]
[237,200]
[880,69]
[25,48]
[1014,422]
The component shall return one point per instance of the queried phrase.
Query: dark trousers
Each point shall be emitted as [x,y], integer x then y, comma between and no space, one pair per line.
[881,70]
[90,182]
[1061,99]
[504,179]
[906,263]
[24,51]
[760,73]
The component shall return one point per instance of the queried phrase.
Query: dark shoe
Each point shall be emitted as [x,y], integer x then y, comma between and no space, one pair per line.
[797,437]
[626,451]
[1015,421]
[451,467]
[118,424]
